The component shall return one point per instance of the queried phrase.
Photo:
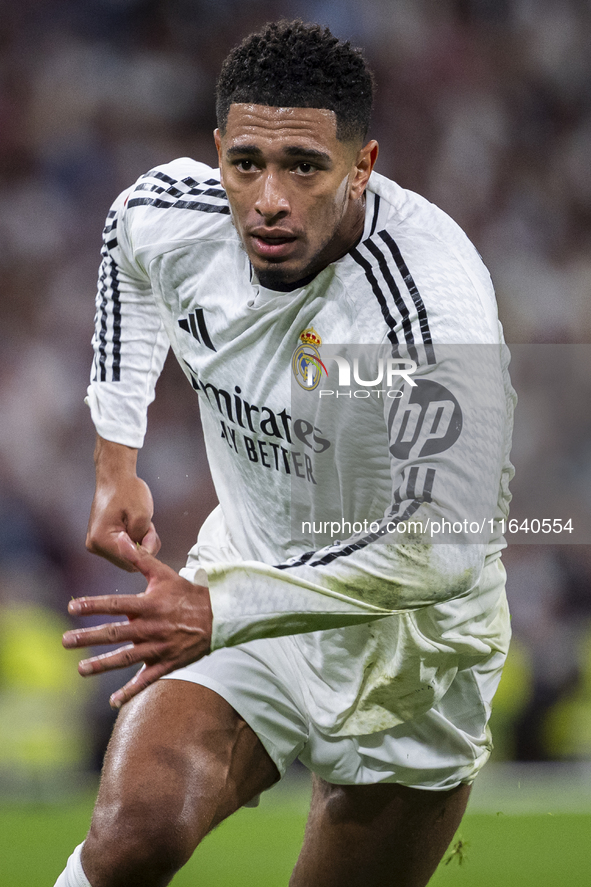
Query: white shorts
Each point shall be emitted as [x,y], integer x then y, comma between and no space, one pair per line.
[438,750]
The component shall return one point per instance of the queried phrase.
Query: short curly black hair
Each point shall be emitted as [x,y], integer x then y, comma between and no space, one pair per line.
[296,65]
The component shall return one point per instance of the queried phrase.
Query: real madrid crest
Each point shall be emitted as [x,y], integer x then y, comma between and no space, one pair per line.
[306,363]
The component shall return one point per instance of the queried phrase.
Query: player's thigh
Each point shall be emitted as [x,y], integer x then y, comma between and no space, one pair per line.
[376,835]
[181,752]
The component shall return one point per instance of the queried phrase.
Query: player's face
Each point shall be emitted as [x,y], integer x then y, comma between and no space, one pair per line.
[295,190]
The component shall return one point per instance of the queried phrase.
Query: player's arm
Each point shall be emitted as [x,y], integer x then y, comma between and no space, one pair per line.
[122,503]
[169,624]
[130,347]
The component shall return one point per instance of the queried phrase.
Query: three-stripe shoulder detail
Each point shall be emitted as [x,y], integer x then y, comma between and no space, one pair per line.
[163,192]
[401,303]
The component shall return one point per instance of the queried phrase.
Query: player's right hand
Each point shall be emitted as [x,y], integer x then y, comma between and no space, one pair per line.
[166,627]
[122,504]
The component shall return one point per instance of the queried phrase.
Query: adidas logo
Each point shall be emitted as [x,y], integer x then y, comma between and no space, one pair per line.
[194,324]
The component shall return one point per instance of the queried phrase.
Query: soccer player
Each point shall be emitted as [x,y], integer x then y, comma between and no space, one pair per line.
[371,655]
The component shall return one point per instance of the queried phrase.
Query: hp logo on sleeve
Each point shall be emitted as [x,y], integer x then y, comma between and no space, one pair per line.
[427,419]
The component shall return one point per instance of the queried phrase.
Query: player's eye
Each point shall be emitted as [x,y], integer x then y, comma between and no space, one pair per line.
[305,168]
[245,165]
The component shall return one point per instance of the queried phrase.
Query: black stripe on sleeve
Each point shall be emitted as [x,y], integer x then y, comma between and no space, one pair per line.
[179,192]
[195,189]
[158,189]
[356,255]
[108,291]
[211,187]
[428,487]
[103,327]
[210,192]
[156,174]
[116,324]
[179,204]
[352,547]
[399,301]
[110,229]
[412,482]
[415,295]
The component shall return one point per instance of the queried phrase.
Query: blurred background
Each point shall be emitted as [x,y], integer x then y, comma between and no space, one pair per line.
[483,106]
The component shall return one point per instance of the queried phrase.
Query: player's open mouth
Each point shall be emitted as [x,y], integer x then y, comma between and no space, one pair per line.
[272,247]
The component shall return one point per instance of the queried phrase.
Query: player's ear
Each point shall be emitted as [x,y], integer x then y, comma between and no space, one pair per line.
[218,143]
[364,164]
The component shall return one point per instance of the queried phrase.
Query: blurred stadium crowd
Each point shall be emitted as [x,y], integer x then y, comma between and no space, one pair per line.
[483,106]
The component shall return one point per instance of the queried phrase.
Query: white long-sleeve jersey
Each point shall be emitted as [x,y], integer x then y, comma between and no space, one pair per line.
[389,615]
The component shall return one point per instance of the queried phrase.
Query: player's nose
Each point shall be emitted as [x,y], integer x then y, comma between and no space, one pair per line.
[272,201]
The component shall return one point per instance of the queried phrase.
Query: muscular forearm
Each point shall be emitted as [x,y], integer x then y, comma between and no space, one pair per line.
[122,502]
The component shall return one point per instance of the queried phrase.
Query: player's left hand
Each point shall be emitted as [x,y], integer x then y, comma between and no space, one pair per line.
[169,624]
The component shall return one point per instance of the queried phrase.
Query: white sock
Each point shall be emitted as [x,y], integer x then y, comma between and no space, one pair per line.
[73,874]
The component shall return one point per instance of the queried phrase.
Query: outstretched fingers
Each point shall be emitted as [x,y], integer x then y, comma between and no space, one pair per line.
[110,633]
[167,626]
[131,605]
[123,657]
